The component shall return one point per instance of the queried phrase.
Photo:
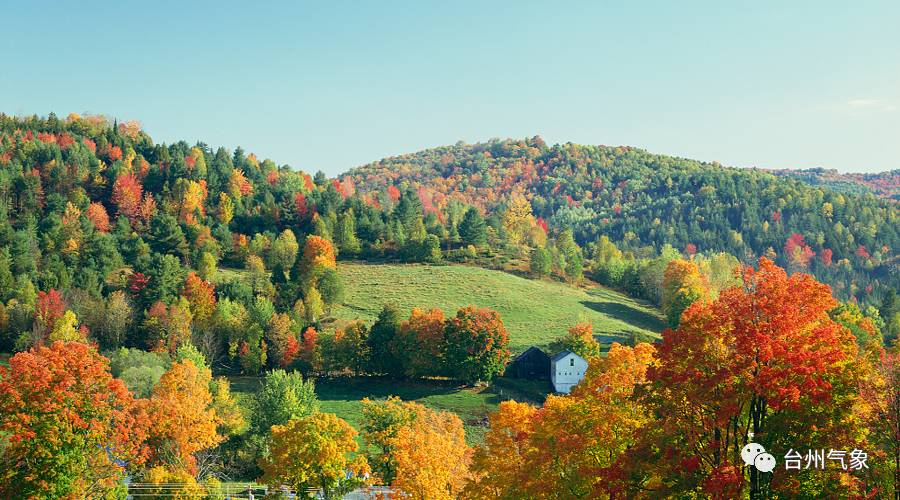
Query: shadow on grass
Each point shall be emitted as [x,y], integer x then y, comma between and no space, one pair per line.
[628,314]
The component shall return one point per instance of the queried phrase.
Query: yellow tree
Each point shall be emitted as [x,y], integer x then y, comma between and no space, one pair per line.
[431,456]
[314,452]
[498,466]
[683,284]
[517,219]
[185,420]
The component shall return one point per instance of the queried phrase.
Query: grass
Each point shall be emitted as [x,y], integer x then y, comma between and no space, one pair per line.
[535,312]
[342,396]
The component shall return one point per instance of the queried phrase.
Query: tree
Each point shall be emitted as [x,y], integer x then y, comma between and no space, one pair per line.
[166,236]
[313,452]
[382,335]
[282,397]
[381,422]
[345,233]
[476,344]
[279,334]
[431,456]
[96,213]
[540,264]
[66,329]
[164,279]
[284,250]
[126,195]
[200,296]
[116,320]
[517,219]
[499,468]
[580,340]
[207,267]
[68,425]
[317,251]
[472,228]
[48,309]
[431,249]
[764,358]
[420,343]
[682,286]
[184,421]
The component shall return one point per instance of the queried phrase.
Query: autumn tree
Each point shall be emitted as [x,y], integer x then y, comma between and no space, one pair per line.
[184,420]
[317,251]
[517,219]
[68,425]
[48,309]
[682,286]
[476,344]
[580,340]
[431,456]
[381,422]
[420,343]
[314,452]
[96,213]
[499,468]
[764,358]
[200,296]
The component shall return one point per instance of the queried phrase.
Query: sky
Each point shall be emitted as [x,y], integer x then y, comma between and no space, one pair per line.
[333,85]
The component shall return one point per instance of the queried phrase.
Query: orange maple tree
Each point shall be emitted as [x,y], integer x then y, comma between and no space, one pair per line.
[69,427]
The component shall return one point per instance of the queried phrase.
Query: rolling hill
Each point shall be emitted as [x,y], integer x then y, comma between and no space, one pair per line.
[534,312]
[643,201]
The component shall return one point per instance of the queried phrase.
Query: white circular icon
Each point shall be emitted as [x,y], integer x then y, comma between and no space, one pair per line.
[750,451]
[764,462]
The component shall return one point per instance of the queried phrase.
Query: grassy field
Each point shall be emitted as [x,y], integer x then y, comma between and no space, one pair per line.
[342,397]
[535,312]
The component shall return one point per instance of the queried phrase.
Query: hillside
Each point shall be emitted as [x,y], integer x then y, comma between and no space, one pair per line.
[640,200]
[534,312]
[883,184]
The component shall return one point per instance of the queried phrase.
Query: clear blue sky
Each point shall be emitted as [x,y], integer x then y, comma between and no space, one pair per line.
[332,85]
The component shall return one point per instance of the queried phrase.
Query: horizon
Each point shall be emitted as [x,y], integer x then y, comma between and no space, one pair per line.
[334,87]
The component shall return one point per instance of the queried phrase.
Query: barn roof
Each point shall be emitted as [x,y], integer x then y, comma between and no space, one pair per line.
[561,355]
[529,351]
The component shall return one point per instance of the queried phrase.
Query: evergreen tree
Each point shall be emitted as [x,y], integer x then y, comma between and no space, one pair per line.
[381,339]
[473,229]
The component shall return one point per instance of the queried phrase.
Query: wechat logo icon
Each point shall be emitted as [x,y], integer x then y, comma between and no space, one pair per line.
[754,455]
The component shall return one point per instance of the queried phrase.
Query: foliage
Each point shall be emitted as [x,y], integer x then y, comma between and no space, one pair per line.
[476,344]
[184,421]
[68,426]
[313,452]
[282,397]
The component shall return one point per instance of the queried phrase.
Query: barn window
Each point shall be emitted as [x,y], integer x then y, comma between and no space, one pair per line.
[572,362]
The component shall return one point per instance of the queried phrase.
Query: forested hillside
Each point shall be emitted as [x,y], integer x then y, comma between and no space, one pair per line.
[138,280]
[883,184]
[643,201]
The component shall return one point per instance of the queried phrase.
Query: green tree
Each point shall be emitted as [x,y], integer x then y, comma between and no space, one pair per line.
[473,229]
[382,336]
[540,262]
[166,236]
[282,397]
[345,233]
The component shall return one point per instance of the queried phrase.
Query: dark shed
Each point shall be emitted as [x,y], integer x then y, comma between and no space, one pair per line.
[533,364]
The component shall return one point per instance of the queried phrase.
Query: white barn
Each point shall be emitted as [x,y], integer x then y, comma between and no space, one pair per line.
[566,370]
